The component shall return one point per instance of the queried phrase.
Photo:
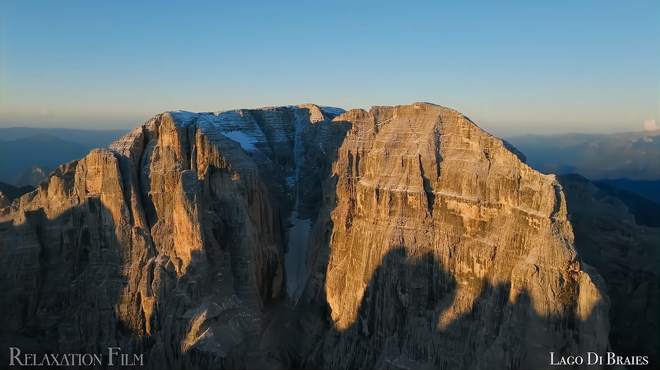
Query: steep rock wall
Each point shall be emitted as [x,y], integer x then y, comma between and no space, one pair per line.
[301,236]
[444,243]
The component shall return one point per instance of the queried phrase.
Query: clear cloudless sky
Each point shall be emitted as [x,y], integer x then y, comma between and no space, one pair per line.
[512,66]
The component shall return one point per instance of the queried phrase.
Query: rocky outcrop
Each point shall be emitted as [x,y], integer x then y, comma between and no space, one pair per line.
[444,243]
[168,233]
[301,236]
[612,234]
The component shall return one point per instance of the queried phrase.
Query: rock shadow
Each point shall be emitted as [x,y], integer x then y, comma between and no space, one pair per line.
[625,254]
[415,315]
[281,343]
[62,287]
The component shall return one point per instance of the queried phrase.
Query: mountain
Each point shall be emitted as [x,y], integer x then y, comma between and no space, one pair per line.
[626,155]
[9,192]
[310,237]
[32,176]
[619,234]
[445,243]
[24,150]
[94,138]
[646,188]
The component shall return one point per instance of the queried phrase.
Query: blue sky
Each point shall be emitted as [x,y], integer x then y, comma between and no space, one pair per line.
[513,67]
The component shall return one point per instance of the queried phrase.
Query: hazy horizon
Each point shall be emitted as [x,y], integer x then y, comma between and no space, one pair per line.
[502,129]
[512,68]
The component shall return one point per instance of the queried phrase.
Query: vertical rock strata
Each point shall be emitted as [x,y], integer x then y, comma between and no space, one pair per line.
[166,243]
[406,237]
[448,252]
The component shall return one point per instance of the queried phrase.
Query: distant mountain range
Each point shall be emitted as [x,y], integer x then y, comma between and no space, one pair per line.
[625,160]
[9,192]
[646,188]
[89,137]
[626,155]
[28,154]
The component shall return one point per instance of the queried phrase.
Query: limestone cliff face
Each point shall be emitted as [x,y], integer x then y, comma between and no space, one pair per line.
[444,244]
[301,236]
[166,243]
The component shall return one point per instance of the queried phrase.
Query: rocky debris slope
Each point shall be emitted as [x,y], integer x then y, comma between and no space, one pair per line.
[402,237]
[611,235]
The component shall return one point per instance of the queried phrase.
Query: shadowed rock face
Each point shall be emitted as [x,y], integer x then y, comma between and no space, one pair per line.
[613,234]
[301,236]
[9,192]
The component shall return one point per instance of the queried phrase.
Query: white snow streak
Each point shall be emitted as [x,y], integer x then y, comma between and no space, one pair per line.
[246,141]
[296,257]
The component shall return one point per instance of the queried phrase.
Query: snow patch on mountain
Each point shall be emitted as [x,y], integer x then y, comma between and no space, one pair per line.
[246,141]
[332,110]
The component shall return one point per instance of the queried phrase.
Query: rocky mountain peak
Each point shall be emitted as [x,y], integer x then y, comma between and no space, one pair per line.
[397,236]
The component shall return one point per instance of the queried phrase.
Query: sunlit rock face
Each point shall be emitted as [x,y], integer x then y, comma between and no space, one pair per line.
[443,244]
[300,236]
[170,243]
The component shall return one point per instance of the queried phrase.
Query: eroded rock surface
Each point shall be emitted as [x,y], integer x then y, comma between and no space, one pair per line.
[401,237]
[444,244]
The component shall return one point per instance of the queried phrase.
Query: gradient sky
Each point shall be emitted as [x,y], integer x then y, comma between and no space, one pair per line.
[513,67]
